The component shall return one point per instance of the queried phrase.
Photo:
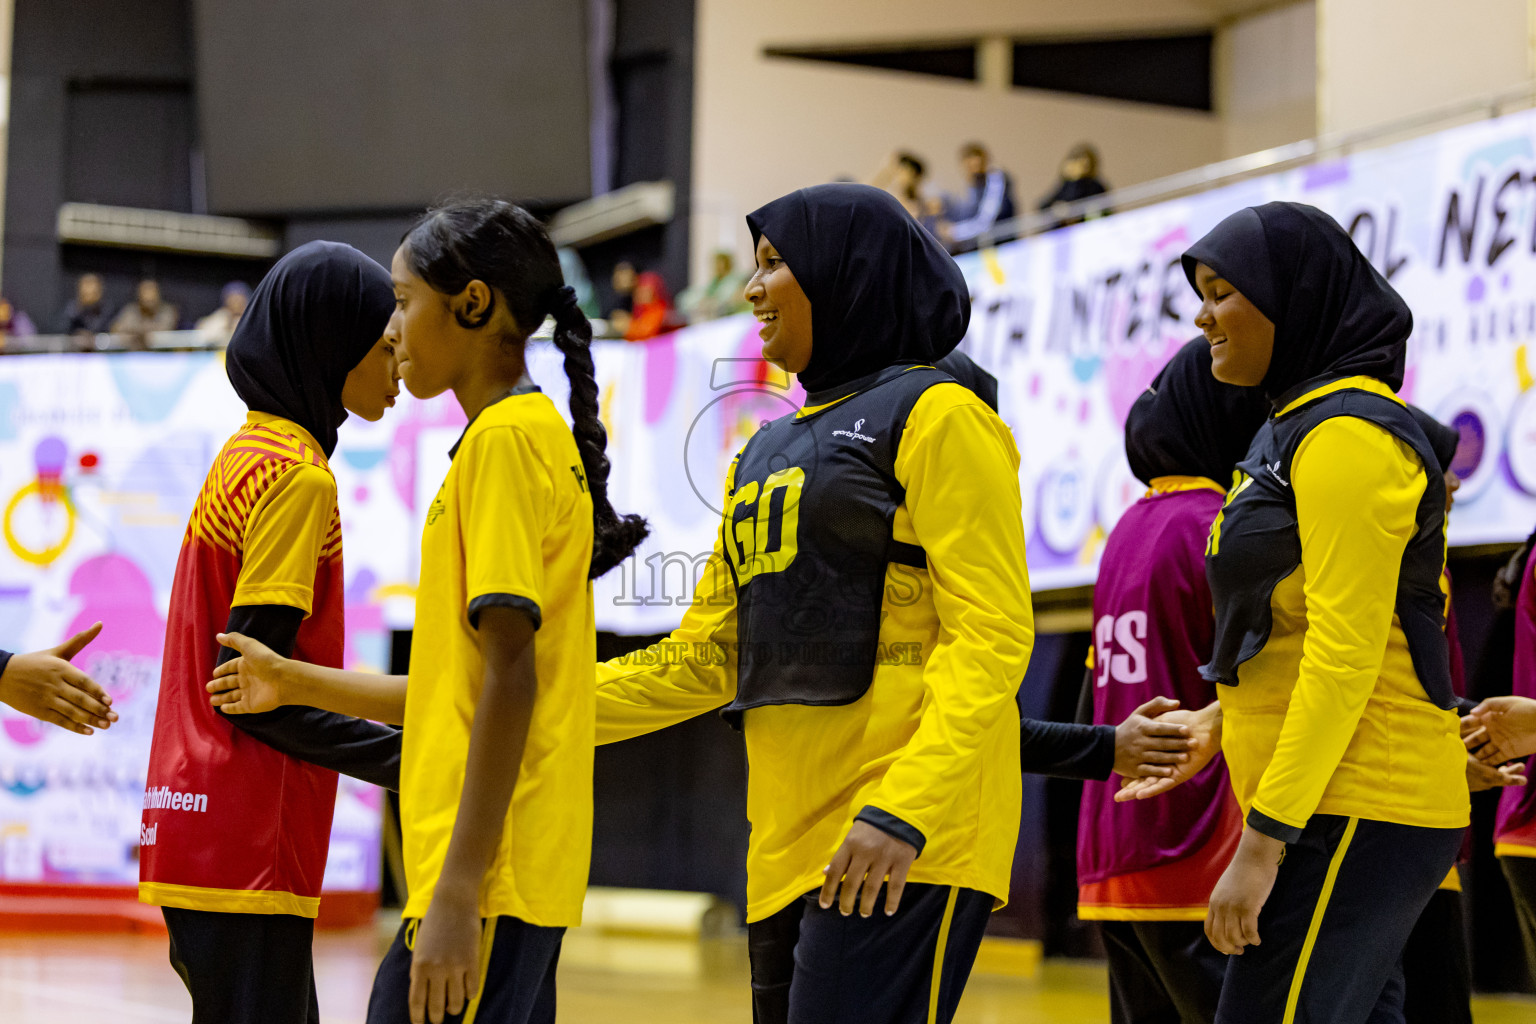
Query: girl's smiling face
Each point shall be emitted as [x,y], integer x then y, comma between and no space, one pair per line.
[1242,339]
[782,307]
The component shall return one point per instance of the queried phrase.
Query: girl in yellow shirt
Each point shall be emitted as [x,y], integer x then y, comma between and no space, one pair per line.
[1330,650]
[496,773]
[865,620]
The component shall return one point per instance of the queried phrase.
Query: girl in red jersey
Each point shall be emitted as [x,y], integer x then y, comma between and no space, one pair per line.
[236,827]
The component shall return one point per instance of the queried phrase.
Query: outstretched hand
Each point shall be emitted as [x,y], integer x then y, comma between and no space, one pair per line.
[251,683]
[1205,737]
[1506,729]
[1149,746]
[46,686]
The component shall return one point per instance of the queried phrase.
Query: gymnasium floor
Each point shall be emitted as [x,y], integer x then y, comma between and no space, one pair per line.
[74,979]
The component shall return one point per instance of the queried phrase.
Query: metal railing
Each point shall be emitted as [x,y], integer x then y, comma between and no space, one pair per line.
[1267,161]
[155,341]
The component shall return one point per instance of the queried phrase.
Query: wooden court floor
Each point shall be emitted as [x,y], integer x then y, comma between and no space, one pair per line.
[74,979]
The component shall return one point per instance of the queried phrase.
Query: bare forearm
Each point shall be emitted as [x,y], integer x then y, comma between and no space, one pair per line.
[496,743]
[360,694]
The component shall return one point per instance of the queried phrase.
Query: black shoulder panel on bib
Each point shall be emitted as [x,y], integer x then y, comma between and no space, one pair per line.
[1256,542]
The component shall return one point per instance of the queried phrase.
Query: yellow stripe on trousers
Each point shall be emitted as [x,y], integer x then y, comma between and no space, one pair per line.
[1317,921]
[487,937]
[938,955]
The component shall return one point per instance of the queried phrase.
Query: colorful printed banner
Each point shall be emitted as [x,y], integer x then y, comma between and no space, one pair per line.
[101,456]
[1077,322]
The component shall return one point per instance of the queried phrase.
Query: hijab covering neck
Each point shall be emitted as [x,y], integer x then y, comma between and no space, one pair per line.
[1443,439]
[1334,315]
[883,291]
[310,321]
[1188,423]
[971,376]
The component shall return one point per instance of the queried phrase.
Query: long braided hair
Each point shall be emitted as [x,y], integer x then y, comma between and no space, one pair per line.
[505,247]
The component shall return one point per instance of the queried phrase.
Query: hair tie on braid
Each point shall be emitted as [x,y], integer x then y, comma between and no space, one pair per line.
[564,306]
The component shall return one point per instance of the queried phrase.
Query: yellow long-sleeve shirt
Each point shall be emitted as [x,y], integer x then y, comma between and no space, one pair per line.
[1330,717]
[935,739]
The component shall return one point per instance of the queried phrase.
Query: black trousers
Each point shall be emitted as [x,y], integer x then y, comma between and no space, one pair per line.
[814,966]
[1437,964]
[1333,929]
[245,968]
[1162,972]
[517,979]
[1520,873]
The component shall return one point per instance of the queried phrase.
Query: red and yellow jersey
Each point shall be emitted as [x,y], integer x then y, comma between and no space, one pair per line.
[229,823]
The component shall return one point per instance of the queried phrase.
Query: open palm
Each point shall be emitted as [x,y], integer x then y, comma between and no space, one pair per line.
[251,683]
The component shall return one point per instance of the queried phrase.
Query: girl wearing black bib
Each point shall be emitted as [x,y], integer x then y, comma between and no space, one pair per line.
[865,620]
[1330,650]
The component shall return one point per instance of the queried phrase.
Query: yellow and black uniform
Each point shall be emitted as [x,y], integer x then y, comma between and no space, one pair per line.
[933,741]
[1328,711]
[865,619]
[1329,731]
[1325,568]
[510,526]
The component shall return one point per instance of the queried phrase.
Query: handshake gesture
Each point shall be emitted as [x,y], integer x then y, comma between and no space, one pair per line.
[1497,731]
[1202,738]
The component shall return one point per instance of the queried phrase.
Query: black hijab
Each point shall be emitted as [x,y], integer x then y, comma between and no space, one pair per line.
[1188,423]
[883,291]
[310,321]
[1443,439]
[1334,315]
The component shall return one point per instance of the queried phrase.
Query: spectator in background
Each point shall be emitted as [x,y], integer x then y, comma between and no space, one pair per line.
[1079,180]
[148,313]
[988,200]
[722,295]
[623,281]
[217,326]
[651,311]
[85,313]
[14,323]
[902,176]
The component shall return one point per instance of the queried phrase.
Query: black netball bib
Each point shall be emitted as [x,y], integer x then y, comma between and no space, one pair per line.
[807,533]
[1255,542]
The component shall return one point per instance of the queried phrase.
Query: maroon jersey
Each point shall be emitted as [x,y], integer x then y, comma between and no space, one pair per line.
[1514,834]
[1153,628]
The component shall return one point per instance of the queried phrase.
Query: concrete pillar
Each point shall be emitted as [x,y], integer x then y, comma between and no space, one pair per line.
[994,63]
[1383,60]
